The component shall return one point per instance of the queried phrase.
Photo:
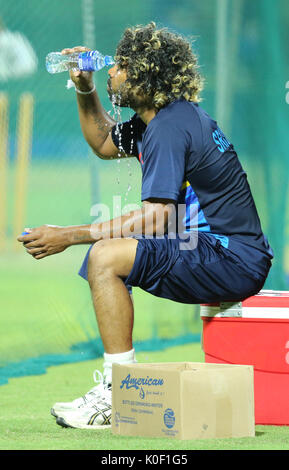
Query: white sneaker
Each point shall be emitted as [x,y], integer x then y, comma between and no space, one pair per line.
[94,415]
[90,398]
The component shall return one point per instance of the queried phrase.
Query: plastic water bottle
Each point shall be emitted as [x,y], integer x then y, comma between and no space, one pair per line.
[90,61]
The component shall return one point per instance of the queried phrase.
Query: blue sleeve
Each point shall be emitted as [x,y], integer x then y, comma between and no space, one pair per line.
[163,161]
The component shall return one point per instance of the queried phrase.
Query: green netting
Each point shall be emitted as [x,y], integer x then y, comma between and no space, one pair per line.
[46,313]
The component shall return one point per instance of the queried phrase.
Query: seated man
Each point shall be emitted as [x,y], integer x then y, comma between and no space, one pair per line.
[185,160]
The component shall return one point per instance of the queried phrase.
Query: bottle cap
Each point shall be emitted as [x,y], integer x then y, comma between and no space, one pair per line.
[108,60]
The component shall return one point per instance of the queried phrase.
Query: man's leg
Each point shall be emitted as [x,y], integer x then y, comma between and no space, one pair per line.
[109,262]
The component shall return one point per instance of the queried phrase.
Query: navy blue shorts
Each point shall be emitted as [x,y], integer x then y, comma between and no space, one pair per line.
[207,273]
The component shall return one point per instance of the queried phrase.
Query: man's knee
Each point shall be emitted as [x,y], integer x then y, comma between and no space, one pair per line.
[100,258]
[112,257]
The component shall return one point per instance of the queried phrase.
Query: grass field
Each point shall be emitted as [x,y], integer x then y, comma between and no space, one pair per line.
[26,423]
[45,307]
[46,310]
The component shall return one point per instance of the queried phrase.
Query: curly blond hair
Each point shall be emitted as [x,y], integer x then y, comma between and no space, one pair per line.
[160,65]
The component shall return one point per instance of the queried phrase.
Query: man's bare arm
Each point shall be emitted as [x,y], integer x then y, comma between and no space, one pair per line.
[95,122]
[96,125]
[151,219]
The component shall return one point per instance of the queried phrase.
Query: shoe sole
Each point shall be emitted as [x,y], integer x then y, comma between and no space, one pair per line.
[64,424]
[53,413]
[57,414]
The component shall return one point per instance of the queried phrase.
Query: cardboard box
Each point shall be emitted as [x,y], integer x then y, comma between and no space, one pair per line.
[184,400]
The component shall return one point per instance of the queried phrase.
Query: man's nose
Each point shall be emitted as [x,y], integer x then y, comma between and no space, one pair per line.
[112,71]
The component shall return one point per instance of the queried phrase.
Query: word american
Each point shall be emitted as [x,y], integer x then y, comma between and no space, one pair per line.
[134,382]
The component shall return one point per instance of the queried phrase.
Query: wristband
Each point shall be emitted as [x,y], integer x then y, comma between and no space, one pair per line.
[85,92]
[71,84]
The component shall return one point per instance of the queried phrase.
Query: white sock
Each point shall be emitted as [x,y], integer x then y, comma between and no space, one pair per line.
[127,357]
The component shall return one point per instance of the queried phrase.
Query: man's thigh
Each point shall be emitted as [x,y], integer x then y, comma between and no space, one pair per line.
[203,274]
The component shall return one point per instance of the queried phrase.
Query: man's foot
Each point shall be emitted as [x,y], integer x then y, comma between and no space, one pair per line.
[90,416]
[91,398]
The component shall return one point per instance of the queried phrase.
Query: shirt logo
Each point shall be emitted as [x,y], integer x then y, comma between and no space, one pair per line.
[140,158]
[221,141]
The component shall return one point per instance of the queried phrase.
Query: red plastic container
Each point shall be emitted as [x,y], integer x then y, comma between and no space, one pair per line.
[254,332]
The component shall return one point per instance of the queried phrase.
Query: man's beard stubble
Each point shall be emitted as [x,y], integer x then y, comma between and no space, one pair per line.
[126,97]
[120,97]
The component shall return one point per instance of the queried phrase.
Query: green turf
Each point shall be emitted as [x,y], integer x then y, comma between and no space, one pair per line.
[26,423]
[45,306]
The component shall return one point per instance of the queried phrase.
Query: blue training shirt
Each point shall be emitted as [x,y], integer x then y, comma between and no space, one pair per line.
[185,157]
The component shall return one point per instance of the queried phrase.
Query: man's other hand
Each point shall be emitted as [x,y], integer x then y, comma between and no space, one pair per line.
[45,240]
